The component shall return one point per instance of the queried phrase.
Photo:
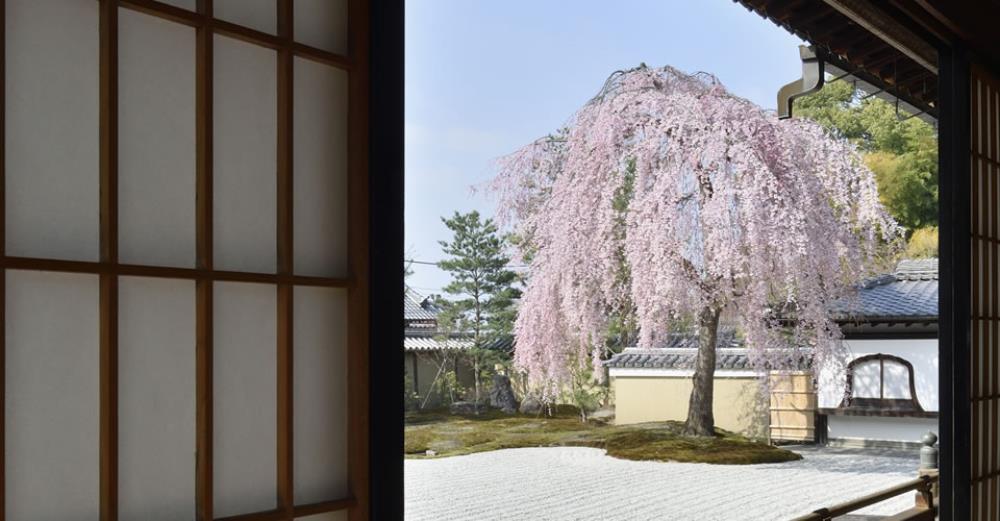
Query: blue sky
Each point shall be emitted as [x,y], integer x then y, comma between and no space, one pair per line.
[484,77]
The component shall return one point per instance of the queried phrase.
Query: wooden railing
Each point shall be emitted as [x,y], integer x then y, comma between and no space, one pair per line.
[926,509]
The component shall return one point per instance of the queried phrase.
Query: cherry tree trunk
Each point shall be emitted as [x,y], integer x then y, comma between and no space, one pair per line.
[701,420]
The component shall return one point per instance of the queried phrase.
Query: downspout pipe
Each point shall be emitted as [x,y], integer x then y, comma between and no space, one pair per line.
[811,81]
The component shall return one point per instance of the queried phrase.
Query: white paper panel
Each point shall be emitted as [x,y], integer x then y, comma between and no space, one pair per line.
[867,383]
[897,381]
[332,516]
[320,336]
[322,24]
[245,180]
[52,131]
[255,14]
[245,383]
[156,141]
[156,382]
[320,164]
[52,396]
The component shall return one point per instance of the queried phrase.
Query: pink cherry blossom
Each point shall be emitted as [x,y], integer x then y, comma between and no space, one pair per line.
[732,208]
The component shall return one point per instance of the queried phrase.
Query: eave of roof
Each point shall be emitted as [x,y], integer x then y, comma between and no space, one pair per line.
[726,359]
[853,49]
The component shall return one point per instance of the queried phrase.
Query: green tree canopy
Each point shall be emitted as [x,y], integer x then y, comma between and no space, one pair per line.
[902,154]
[482,286]
[482,289]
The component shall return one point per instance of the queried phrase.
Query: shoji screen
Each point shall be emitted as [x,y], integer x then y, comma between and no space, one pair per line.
[184,249]
[984,382]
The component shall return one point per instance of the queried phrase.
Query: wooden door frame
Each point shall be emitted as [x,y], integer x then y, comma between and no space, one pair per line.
[385,260]
[954,295]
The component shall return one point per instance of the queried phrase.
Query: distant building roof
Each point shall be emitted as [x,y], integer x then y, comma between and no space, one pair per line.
[418,309]
[432,341]
[420,318]
[726,337]
[909,293]
[726,358]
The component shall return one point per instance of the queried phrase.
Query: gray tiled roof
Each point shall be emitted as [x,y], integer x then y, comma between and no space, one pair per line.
[725,338]
[911,292]
[430,339]
[414,342]
[733,359]
[417,308]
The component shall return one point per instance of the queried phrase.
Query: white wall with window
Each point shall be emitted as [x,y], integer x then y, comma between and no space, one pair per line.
[888,394]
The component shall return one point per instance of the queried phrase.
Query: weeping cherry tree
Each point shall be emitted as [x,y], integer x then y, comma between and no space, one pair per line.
[728,210]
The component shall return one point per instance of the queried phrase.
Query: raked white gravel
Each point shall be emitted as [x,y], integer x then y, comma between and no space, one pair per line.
[573,483]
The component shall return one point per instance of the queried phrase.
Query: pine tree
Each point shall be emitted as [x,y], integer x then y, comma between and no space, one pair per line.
[482,289]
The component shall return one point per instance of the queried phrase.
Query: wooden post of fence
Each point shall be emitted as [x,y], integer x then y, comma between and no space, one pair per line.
[927,498]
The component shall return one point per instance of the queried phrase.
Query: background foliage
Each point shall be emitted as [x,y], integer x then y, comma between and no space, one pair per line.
[902,154]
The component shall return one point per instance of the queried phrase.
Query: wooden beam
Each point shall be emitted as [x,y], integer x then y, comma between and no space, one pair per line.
[299,511]
[169,272]
[324,57]
[875,21]
[269,515]
[325,507]
[164,10]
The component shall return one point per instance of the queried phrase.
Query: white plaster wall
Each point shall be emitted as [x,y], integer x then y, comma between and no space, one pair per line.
[878,428]
[922,353]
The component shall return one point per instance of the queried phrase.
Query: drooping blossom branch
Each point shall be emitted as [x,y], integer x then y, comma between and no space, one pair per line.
[729,208]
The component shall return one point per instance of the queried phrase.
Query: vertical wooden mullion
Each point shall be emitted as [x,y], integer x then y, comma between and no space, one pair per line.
[881,377]
[108,479]
[109,396]
[3,252]
[286,496]
[204,133]
[991,405]
[285,150]
[976,282]
[204,362]
[358,340]
[285,390]
[204,425]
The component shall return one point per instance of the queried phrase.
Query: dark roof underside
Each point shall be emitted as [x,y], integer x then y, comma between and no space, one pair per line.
[852,48]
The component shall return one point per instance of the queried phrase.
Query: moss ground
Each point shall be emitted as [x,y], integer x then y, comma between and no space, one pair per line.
[450,435]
